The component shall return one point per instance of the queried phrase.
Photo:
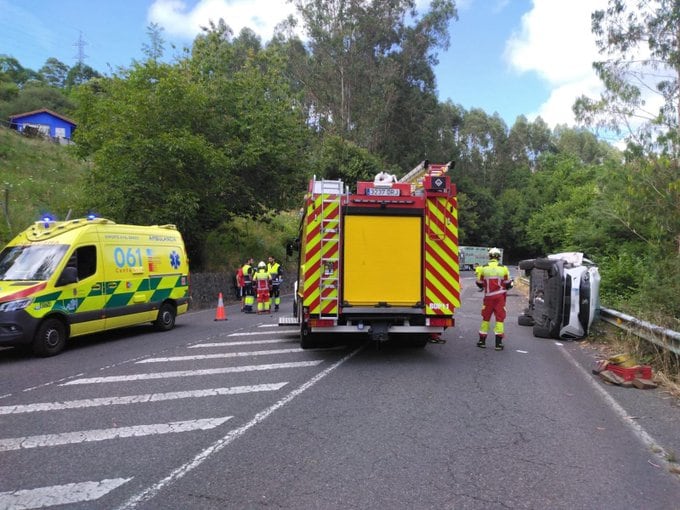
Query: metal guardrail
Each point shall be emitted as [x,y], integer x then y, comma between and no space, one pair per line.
[662,337]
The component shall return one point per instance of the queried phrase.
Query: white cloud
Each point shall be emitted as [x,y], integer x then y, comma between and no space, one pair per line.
[556,43]
[179,20]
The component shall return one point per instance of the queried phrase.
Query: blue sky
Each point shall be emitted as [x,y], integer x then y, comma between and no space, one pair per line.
[511,57]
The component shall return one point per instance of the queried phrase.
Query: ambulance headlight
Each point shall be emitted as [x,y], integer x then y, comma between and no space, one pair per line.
[17,304]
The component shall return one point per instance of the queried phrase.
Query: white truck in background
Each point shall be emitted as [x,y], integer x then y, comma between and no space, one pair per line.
[473,256]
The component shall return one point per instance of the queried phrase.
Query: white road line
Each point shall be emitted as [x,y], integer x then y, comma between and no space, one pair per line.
[254,333]
[178,473]
[636,428]
[189,373]
[244,342]
[268,326]
[42,497]
[136,399]
[87,436]
[220,355]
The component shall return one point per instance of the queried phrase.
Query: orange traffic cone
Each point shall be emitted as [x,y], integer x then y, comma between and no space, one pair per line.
[221,314]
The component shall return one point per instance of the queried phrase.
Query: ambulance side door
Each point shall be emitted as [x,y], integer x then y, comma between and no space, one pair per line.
[86,306]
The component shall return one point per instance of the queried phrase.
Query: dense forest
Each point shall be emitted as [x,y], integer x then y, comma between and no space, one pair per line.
[236,126]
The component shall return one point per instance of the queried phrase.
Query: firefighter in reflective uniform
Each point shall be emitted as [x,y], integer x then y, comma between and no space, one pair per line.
[262,280]
[275,271]
[494,280]
[248,295]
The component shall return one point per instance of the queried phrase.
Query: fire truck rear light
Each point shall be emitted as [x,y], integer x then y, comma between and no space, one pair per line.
[445,322]
[321,323]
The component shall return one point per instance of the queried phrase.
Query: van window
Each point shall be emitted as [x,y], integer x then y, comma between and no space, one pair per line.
[31,262]
[86,261]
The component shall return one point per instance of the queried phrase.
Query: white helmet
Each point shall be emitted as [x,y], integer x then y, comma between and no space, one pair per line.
[262,265]
[494,253]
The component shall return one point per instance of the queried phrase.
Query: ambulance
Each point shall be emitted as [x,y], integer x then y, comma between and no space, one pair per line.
[62,279]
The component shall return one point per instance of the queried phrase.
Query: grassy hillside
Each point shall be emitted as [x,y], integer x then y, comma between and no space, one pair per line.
[36,177]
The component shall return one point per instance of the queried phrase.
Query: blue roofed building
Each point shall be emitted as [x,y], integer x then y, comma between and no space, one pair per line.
[46,122]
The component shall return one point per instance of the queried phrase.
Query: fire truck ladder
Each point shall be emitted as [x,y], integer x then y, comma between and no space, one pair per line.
[415,177]
[331,200]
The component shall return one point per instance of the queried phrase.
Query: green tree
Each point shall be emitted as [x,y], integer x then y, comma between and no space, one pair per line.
[194,143]
[54,72]
[79,74]
[155,47]
[367,70]
[12,71]
[641,43]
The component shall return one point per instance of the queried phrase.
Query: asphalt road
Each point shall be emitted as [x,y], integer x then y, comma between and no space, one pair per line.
[231,414]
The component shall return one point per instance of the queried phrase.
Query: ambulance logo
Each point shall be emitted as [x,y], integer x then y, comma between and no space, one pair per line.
[174,260]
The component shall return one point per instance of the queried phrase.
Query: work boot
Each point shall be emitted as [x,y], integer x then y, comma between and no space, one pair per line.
[482,342]
[499,343]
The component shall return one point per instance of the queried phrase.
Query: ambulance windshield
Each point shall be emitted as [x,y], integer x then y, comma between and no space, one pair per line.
[32,262]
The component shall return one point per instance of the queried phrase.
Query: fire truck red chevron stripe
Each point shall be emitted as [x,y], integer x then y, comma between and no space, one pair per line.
[445,285]
[442,209]
[330,251]
[442,288]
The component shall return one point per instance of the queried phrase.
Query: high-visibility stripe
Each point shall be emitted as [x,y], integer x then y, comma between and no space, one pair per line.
[321,232]
[442,285]
[117,293]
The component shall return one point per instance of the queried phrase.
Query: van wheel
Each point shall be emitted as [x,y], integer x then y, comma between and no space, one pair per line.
[50,339]
[525,320]
[541,331]
[166,317]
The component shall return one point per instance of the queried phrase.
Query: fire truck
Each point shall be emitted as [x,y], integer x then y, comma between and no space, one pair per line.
[381,260]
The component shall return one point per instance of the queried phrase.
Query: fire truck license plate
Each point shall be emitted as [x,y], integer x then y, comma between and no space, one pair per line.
[383,192]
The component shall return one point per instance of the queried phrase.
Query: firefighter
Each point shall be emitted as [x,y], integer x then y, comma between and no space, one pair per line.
[248,296]
[494,280]
[274,269]
[262,280]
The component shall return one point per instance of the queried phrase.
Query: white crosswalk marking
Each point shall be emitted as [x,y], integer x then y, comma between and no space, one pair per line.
[136,399]
[86,436]
[220,355]
[191,373]
[253,333]
[244,342]
[42,497]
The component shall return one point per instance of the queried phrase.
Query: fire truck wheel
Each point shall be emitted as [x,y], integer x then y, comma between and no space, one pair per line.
[420,341]
[308,340]
[166,317]
[50,339]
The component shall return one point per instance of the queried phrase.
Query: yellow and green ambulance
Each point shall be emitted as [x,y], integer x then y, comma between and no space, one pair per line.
[62,279]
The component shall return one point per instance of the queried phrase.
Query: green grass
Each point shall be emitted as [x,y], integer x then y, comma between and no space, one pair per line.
[36,177]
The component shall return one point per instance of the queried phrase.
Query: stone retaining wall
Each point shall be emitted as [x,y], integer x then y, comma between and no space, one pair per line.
[206,287]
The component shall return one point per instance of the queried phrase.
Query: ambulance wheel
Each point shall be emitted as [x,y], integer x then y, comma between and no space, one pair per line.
[166,317]
[50,339]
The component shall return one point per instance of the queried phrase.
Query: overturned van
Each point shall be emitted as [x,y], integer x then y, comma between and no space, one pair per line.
[61,279]
[563,295]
